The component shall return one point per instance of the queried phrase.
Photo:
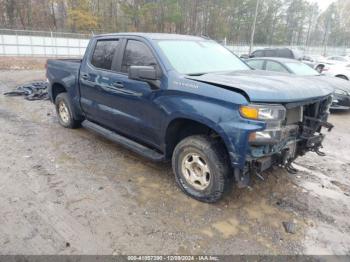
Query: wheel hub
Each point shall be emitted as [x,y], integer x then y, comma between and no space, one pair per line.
[196,171]
[63,112]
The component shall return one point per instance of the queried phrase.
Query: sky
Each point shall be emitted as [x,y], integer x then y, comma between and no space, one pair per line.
[323,4]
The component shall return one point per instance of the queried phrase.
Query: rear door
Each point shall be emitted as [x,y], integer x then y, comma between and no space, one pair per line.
[99,81]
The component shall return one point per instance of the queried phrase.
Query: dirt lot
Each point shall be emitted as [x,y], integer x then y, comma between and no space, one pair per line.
[71,192]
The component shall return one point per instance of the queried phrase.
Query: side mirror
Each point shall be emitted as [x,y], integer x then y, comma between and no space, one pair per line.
[146,74]
[244,56]
[143,73]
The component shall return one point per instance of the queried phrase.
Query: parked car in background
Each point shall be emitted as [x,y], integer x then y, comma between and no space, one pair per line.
[276,52]
[338,70]
[331,60]
[283,65]
[312,60]
[283,53]
[338,59]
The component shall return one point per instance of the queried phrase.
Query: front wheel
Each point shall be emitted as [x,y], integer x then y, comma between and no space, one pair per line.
[201,168]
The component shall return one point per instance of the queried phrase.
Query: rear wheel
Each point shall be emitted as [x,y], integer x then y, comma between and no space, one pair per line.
[64,111]
[201,168]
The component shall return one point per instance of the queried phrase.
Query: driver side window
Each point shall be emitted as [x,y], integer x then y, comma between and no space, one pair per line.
[137,54]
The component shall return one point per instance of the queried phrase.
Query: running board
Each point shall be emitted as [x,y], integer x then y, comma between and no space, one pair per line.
[126,142]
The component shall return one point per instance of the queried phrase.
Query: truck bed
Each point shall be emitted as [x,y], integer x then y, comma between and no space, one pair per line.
[67,64]
[72,60]
[65,72]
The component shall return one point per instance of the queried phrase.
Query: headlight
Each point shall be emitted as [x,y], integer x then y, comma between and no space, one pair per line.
[272,115]
[266,137]
[264,112]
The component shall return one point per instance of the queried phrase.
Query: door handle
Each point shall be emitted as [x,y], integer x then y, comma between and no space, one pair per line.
[85,76]
[118,84]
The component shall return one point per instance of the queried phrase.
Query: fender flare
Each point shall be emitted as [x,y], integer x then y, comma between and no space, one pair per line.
[202,120]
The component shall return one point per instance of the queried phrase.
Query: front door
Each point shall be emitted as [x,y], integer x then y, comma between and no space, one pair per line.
[111,99]
[135,100]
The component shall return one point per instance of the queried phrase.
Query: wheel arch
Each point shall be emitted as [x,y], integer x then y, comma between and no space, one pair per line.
[322,65]
[57,88]
[342,76]
[180,127]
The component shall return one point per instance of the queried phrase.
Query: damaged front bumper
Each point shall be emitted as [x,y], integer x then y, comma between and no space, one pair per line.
[297,139]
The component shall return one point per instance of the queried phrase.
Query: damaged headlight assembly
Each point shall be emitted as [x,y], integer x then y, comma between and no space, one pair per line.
[272,115]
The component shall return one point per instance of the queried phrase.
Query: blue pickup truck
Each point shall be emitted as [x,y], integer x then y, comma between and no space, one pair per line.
[189,100]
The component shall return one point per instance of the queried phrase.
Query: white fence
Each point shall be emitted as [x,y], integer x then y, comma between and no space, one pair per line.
[41,44]
[53,44]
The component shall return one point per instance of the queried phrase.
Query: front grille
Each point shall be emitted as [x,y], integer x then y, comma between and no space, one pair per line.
[314,117]
[309,117]
[318,109]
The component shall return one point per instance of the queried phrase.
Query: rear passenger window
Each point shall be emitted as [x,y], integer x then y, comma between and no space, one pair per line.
[258,54]
[270,53]
[256,64]
[104,53]
[138,54]
[276,67]
[285,53]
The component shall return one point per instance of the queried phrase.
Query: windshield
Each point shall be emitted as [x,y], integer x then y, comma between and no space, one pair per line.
[200,57]
[301,69]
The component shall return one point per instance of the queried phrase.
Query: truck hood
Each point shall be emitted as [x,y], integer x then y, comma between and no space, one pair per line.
[269,87]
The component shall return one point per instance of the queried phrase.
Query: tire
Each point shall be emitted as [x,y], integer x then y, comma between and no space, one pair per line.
[64,111]
[201,168]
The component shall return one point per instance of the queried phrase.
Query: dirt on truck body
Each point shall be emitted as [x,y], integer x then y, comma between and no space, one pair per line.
[72,192]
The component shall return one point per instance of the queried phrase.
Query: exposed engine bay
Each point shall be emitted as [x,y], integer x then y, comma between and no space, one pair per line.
[280,144]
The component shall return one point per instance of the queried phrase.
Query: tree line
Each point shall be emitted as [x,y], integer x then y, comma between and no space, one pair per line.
[279,22]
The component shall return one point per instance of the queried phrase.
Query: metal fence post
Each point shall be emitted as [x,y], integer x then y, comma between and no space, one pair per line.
[53,45]
[31,45]
[3,44]
[17,47]
[44,45]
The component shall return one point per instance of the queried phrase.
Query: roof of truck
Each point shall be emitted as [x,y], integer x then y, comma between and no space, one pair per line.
[157,36]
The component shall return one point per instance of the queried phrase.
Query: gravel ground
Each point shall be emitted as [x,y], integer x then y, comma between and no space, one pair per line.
[72,192]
